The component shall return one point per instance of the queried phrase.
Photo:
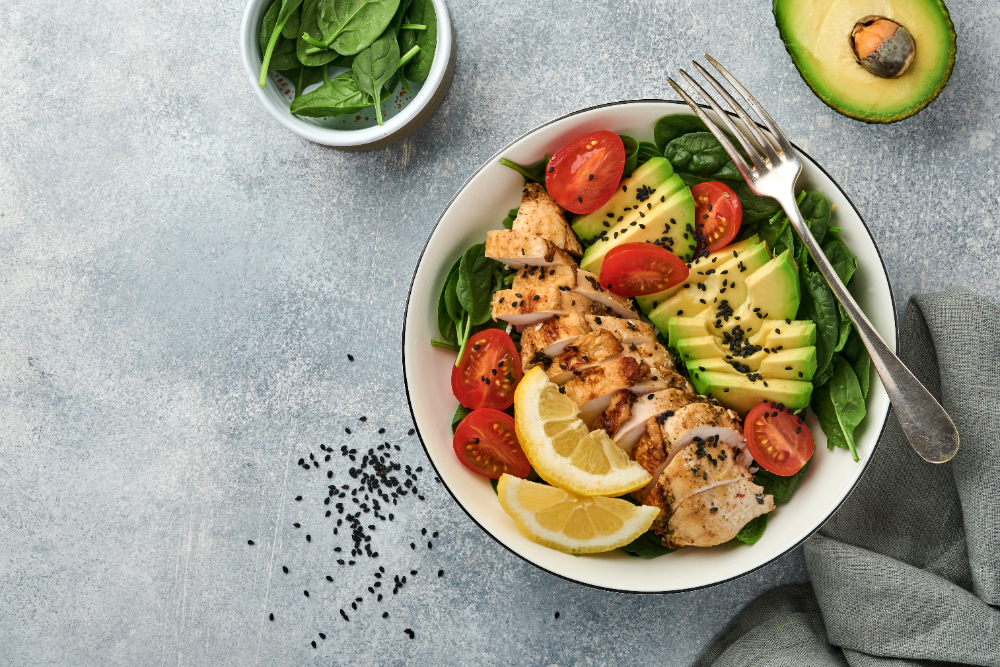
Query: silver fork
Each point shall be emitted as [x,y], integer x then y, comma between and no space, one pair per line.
[773,174]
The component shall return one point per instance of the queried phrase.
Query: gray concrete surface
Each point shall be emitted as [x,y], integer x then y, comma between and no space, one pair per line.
[182,281]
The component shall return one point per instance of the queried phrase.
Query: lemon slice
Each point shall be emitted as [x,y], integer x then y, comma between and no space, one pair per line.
[561,449]
[570,523]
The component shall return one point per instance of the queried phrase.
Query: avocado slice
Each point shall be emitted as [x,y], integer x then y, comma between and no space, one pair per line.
[738,392]
[666,223]
[651,301]
[798,364]
[649,181]
[772,333]
[824,38]
[707,288]
[772,293]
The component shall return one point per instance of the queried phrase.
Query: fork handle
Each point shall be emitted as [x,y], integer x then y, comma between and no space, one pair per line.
[925,423]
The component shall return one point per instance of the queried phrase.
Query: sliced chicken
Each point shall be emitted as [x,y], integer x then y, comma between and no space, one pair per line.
[540,215]
[617,412]
[715,516]
[519,249]
[546,340]
[698,467]
[702,421]
[592,389]
[588,351]
[589,286]
[628,331]
[535,278]
[660,380]
[648,407]
[655,355]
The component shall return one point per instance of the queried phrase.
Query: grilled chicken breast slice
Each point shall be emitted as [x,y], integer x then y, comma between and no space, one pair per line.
[518,249]
[629,331]
[593,388]
[540,215]
[536,278]
[714,516]
[655,355]
[662,403]
[588,351]
[702,420]
[589,286]
[546,340]
[617,412]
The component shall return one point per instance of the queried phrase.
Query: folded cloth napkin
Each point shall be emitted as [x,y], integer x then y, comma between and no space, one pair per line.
[907,571]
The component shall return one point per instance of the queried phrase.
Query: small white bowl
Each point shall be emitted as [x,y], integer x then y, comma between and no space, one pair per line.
[479,206]
[428,94]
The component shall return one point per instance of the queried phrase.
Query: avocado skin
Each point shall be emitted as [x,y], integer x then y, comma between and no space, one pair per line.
[873,120]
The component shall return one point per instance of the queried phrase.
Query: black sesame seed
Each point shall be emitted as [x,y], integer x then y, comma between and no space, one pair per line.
[271,617]
[250,542]
[350,357]
[306,593]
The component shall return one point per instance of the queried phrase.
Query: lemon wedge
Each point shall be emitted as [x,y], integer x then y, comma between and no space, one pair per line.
[570,523]
[561,449]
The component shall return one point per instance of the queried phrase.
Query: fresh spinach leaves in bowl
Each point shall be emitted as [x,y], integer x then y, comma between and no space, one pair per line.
[384,43]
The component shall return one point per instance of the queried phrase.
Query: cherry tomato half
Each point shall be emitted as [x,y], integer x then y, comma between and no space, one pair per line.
[779,441]
[486,444]
[488,372]
[635,269]
[718,214]
[584,173]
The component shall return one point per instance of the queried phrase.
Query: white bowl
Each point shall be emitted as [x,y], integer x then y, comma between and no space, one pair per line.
[427,97]
[479,206]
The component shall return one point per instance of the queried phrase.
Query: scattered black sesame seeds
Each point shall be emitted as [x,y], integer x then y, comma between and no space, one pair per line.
[409,633]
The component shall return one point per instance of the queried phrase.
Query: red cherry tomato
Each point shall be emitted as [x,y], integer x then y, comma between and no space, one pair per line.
[486,443]
[779,441]
[584,173]
[488,372]
[718,214]
[635,269]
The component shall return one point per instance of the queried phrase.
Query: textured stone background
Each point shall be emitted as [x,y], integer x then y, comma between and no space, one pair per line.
[182,281]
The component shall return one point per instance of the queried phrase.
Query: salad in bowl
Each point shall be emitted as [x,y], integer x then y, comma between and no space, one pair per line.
[643,362]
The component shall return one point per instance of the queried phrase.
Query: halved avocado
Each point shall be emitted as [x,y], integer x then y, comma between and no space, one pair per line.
[649,183]
[660,222]
[821,35]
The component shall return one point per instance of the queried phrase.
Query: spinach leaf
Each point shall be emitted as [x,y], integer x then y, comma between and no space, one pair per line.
[840,406]
[845,327]
[421,13]
[780,487]
[647,151]
[279,57]
[857,355]
[445,321]
[288,7]
[376,65]
[815,208]
[753,531]
[310,27]
[291,29]
[675,125]
[338,95]
[475,282]
[819,305]
[452,304]
[461,412]
[351,26]
[843,260]
[533,172]
[508,222]
[303,77]
[631,153]
[698,153]
[647,545]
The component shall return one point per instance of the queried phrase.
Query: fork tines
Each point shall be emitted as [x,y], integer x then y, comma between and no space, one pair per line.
[761,152]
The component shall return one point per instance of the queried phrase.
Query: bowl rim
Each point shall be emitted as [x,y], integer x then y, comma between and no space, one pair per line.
[406,383]
[326,136]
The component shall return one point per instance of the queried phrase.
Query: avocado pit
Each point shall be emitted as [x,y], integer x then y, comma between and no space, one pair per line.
[882,46]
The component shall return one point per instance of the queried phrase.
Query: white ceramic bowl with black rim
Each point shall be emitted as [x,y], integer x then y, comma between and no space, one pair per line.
[403,113]
[479,206]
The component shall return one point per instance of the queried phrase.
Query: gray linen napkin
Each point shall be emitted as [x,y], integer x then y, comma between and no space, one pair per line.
[906,571]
